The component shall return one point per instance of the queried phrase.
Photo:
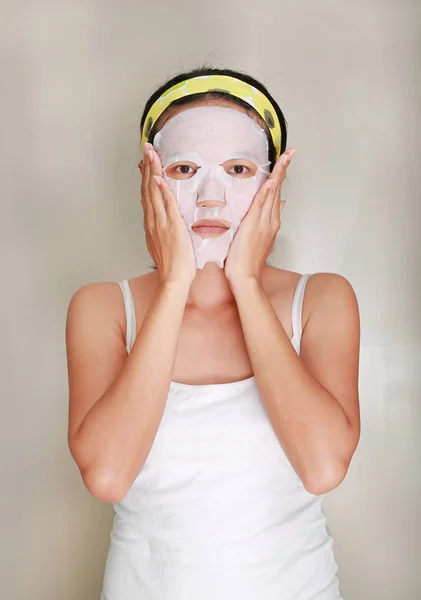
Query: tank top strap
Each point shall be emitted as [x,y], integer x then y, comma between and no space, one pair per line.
[130,313]
[297,309]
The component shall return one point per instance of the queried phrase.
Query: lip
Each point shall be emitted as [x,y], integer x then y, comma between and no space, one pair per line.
[212,223]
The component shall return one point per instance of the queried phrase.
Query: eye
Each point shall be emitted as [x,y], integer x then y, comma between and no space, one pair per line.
[182,170]
[240,168]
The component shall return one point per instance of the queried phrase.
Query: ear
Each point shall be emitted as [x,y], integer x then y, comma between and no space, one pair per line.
[140,165]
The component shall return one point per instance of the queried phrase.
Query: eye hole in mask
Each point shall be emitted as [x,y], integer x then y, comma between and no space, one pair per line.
[238,168]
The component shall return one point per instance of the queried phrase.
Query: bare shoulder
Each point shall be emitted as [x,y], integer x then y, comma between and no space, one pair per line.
[105,299]
[94,301]
[324,292]
[105,290]
[329,290]
[324,281]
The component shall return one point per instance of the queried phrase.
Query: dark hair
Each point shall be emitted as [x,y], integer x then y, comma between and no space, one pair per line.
[204,70]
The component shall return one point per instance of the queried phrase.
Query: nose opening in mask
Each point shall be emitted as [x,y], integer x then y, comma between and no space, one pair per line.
[211,189]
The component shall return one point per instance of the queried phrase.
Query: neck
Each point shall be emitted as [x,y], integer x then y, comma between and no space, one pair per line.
[210,288]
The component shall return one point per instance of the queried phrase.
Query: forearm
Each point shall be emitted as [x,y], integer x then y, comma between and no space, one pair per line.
[307,419]
[118,432]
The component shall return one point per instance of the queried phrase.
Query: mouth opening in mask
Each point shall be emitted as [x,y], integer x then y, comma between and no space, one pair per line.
[211,227]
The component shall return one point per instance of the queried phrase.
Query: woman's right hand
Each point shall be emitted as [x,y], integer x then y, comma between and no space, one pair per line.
[167,238]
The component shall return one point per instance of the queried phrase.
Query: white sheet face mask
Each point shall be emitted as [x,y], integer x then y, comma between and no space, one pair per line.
[207,137]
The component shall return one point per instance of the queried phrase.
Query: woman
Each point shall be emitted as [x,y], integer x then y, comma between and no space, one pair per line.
[214,400]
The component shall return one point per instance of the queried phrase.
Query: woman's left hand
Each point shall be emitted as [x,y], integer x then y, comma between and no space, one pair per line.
[255,238]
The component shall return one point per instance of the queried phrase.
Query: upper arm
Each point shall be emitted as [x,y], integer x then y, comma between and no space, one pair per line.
[95,350]
[331,342]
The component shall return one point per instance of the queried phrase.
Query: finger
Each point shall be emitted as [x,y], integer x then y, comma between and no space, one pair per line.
[145,162]
[140,167]
[154,209]
[275,214]
[267,207]
[168,199]
[277,220]
[283,202]
[155,162]
[145,180]
[287,156]
[260,198]
[281,165]
[279,174]
[155,192]
[147,211]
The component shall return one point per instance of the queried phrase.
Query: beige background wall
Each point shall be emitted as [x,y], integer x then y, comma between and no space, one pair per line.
[76,76]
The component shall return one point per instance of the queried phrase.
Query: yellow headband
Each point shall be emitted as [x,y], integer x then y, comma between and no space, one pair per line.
[217,83]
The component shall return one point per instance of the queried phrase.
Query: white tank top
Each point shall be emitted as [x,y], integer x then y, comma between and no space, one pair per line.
[217,512]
